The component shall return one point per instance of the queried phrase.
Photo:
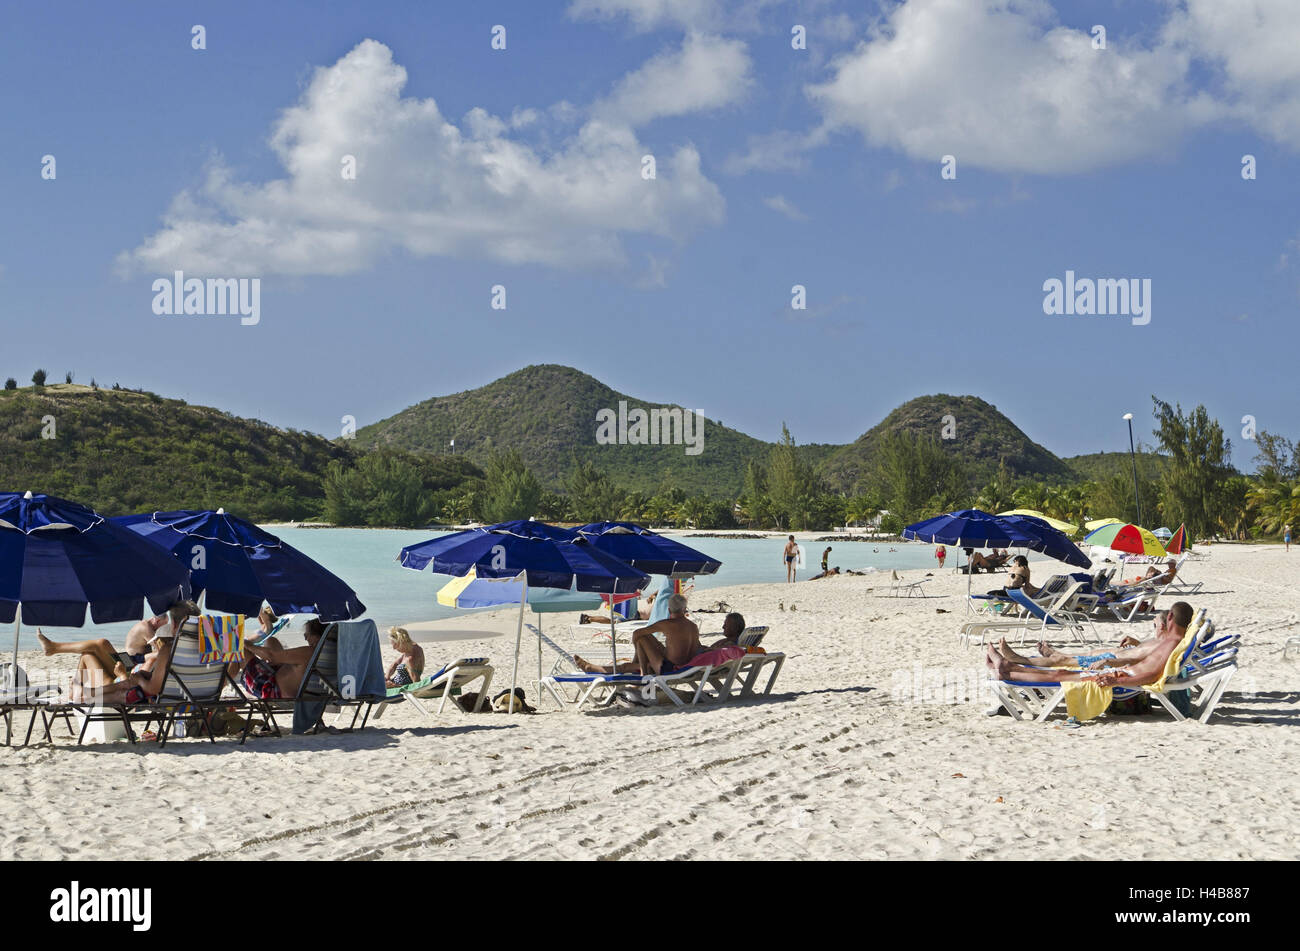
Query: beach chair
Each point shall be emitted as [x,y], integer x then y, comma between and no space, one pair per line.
[571,687]
[453,678]
[40,700]
[1180,585]
[320,689]
[1037,619]
[190,686]
[898,587]
[1207,664]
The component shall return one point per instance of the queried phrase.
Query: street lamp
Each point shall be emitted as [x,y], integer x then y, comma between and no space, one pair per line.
[1133,453]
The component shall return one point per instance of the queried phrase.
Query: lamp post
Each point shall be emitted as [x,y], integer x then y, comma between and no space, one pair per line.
[1133,454]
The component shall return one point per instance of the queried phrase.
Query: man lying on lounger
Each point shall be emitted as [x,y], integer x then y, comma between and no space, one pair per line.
[1130,649]
[681,643]
[1139,665]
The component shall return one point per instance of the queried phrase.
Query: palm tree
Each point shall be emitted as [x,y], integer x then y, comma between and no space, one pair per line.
[1031,495]
[860,509]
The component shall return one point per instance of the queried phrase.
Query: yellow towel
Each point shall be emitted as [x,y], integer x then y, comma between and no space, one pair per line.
[1084,699]
[1175,660]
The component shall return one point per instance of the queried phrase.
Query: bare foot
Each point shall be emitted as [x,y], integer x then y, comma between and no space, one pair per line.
[47,645]
[1000,665]
[586,667]
[1005,650]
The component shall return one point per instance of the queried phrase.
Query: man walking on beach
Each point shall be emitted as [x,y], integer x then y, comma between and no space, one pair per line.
[791,552]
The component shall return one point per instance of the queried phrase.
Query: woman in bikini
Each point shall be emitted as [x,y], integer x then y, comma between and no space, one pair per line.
[409,667]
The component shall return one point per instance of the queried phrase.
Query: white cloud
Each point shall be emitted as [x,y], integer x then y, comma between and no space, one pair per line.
[779,151]
[651,14]
[1000,84]
[1255,47]
[712,15]
[780,204]
[706,72]
[425,186]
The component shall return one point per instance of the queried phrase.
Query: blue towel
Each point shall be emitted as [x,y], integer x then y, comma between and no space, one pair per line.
[360,667]
[360,671]
[659,610]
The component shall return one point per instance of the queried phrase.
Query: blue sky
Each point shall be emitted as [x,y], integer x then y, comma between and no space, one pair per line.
[775,167]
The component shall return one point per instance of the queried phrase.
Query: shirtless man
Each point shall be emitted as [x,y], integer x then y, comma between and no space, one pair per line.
[791,553]
[1134,672]
[275,673]
[681,643]
[1130,649]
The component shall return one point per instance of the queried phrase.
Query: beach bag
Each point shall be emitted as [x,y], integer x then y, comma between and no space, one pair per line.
[225,722]
[501,702]
[1181,699]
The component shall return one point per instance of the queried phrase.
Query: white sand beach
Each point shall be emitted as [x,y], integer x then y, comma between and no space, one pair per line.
[840,762]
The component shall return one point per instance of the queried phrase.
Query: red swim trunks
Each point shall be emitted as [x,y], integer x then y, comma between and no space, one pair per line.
[259,679]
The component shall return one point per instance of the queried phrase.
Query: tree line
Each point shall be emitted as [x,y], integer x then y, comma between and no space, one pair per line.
[911,477]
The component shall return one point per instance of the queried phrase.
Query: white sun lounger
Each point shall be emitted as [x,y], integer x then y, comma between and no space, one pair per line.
[898,587]
[1038,619]
[440,686]
[1208,663]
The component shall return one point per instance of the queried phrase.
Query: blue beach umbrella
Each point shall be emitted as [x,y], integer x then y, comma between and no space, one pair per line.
[236,566]
[651,552]
[549,557]
[59,558]
[965,528]
[534,554]
[1048,540]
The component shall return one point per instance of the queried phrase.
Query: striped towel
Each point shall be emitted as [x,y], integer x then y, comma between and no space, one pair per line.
[221,638]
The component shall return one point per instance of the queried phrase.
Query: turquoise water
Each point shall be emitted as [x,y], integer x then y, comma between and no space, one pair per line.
[366,559]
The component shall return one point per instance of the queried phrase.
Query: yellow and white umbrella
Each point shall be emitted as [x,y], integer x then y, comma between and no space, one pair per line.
[1056,523]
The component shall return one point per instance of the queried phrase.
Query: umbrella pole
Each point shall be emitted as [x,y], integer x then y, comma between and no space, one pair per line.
[18,625]
[613,637]
[539,662]
[13,673]
[519,633]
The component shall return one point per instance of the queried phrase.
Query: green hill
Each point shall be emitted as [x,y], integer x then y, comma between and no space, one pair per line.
[549,413]
[983,437]
[123,451]
[1096,466]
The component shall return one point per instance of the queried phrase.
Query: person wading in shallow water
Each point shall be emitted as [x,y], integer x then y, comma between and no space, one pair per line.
[791,553]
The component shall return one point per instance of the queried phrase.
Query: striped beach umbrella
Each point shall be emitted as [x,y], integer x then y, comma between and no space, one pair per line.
[1126,537]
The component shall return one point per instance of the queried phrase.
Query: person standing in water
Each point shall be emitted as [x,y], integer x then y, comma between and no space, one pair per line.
[791,552]
[826,559]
